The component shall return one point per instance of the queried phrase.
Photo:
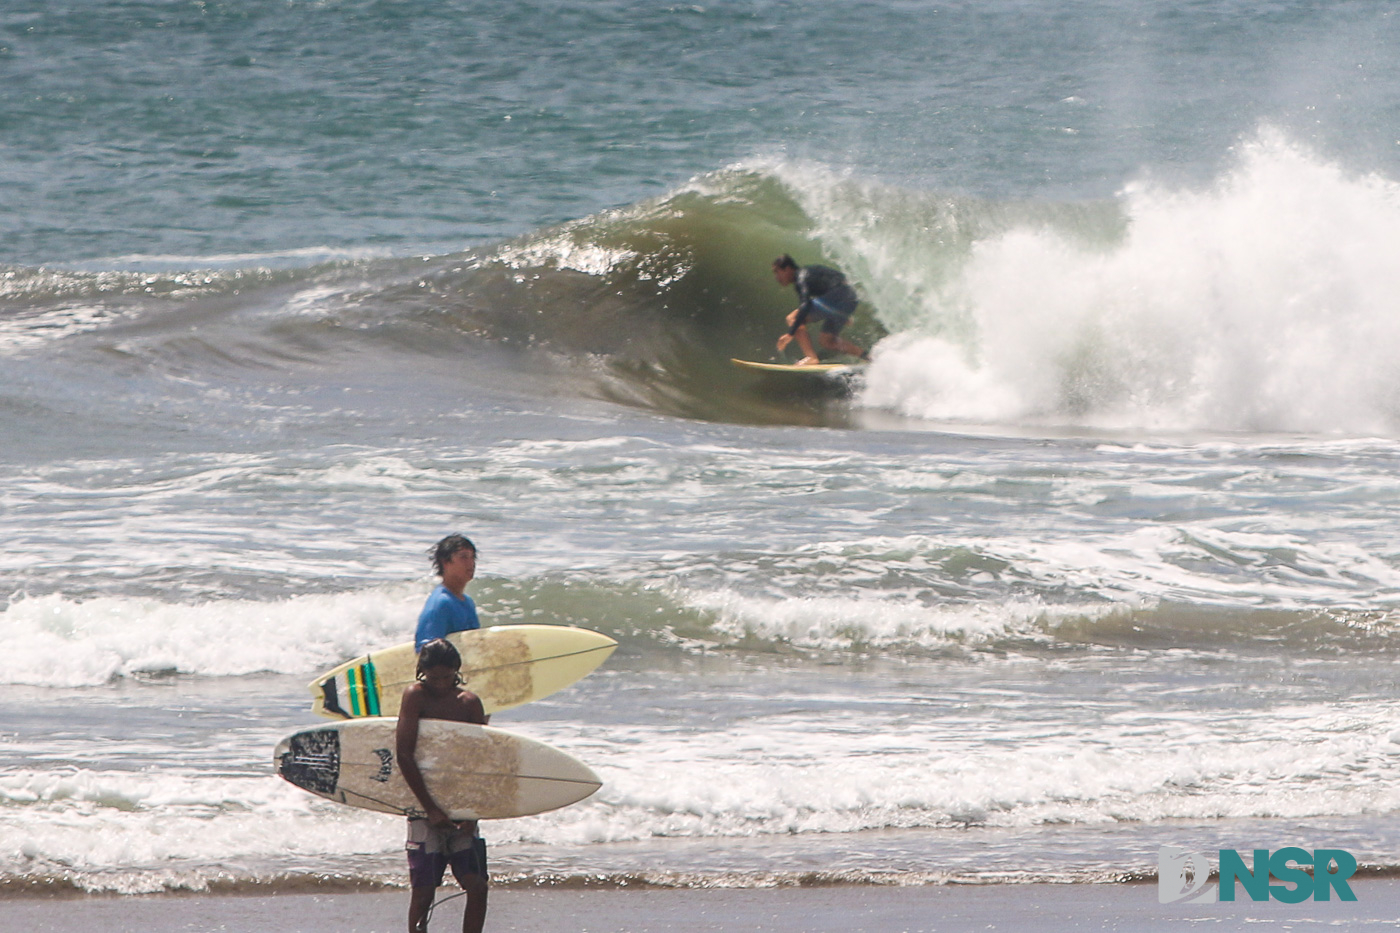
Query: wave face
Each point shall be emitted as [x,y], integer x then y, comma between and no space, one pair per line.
[643,305]
[1258,303]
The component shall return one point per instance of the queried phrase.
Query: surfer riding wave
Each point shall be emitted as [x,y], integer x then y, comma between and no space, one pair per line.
[825,293]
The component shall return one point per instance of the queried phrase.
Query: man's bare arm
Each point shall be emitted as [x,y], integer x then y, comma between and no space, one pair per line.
[406,746]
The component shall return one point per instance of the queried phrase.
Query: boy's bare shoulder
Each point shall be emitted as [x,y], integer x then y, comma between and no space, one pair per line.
[471,706]
[461,706]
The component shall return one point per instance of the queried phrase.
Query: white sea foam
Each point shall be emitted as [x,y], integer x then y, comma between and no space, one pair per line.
[920,592]
[58,642]
[859,766]
[848,772]
[842,623]
[137,832]
[1263,303]
[869,593]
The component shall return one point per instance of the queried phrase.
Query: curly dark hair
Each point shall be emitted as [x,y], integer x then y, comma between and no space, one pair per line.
[439,653]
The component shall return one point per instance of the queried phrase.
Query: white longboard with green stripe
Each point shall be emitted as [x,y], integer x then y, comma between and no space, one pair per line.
[505,665]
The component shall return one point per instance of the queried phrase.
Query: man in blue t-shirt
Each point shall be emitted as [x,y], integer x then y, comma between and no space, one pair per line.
[449,608]
[824,295]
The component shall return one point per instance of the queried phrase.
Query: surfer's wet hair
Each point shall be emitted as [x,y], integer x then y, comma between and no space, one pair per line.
[442,552]
[438,653]
[785,262]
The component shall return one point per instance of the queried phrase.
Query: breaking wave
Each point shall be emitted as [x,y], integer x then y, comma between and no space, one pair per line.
[1262,303]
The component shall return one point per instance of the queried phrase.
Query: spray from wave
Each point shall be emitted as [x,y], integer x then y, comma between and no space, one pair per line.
[1262,304]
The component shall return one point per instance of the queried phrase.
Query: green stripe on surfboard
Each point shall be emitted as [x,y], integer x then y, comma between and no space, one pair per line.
[371,688]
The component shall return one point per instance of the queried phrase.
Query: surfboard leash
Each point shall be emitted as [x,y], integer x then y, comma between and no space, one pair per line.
[427,917]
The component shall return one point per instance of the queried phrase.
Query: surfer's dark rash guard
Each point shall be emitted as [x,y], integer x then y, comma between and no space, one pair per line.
[444,612]
[837,298]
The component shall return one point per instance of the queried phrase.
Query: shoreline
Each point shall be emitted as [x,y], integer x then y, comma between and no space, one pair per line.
[1031,907]
[311,884]
[877,859]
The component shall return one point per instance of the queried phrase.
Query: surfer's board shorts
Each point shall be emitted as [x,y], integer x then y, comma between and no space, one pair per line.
[835,309]
[431,850]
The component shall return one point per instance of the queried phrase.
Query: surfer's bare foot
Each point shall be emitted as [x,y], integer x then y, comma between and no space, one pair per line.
[808,361]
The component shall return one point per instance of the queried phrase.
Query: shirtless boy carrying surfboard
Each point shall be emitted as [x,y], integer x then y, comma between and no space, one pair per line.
[435,841]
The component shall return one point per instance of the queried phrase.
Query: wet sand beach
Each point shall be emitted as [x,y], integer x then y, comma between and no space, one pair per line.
[1041,908]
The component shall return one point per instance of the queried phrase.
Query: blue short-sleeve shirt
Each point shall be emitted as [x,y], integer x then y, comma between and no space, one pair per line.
[443,613]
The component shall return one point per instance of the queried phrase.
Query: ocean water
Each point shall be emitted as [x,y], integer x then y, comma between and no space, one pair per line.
[1097,555]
